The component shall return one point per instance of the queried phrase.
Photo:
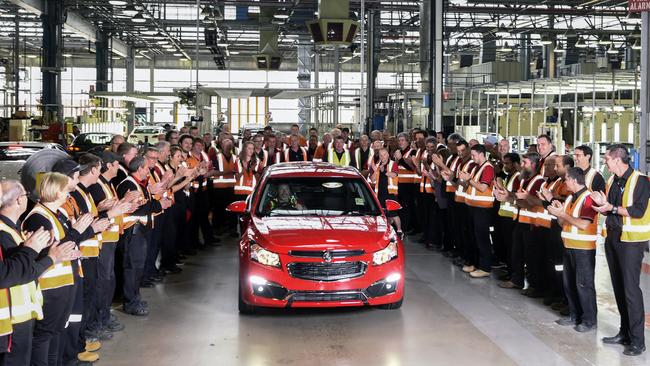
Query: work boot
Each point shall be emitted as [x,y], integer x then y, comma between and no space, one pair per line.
[566,321]
[479,274]
[87,356]
[469,269]
[509,284]
[93,345]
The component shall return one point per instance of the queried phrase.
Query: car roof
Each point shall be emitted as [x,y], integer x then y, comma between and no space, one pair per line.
[311,169]
[27,143]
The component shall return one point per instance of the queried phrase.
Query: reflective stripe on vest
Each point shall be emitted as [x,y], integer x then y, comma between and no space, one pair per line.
[405,175]
[247,180]
[507,209]
[526,216]
[287,155]
[393,187]
[572,236]
[60,274]
[90,247]
[228,180]
[461,196]
[357,158]
[130,220]
[426,185]
[112,234]
[476,198]
[26,299]
[634,229]
[544,218]
[451,163]
[333,158]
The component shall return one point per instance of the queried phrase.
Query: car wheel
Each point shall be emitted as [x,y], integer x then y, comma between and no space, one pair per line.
[244,308]
[392,306]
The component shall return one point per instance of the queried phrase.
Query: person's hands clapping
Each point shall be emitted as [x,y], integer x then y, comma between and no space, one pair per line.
[38,240]
[83,222]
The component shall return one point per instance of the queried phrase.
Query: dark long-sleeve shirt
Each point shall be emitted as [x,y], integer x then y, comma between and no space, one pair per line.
[148,208]
[615,197]
[10,248]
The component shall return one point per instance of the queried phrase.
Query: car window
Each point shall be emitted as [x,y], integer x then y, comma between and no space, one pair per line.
[147,130]
[12,153]
[317,196]
[92,139]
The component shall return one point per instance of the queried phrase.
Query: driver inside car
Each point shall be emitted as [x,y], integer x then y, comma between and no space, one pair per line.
[285,200]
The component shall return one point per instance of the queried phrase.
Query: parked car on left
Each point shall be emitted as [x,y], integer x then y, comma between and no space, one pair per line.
[88,142]
[14,154]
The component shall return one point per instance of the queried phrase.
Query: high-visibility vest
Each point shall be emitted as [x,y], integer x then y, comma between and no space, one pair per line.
[426,185]
[357,158]
[194,162]
[634,229]
[526,216]
[275,157]
[247,180]
[460,195]
[544,218]
[590,174]
[452,163]
[572,236]
[333,158]
[129,220]
[476,198]
[60,274]
[304,154]
[5,311]
[406,175]
[319,150]
[507,209]
[418,154]
[158,173]
[392,182]
[26,299]
[225,166]
[264,161]
[90,247]
[112,234]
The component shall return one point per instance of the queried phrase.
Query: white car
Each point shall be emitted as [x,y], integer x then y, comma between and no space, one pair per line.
[142,134]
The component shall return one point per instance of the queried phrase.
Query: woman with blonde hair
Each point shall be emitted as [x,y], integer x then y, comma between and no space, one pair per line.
[58,282]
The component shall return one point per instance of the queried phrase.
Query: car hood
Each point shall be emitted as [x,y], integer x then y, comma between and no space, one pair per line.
[10,169]
[282,234]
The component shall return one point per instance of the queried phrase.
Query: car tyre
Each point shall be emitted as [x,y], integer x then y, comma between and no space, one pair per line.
[393,305]
[244,308]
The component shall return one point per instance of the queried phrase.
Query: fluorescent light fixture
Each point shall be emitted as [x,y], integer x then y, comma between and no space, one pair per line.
[178,54]
[139,56]
[32,56]
[604,40]
[117,2]
[560,48]
[409,51]
[281,15]
[546,40]
[636,45]
[234,52]
[505,48]
[138,18]
[581,43]
[162,42]
[66,55]
[612,50]
[130,10]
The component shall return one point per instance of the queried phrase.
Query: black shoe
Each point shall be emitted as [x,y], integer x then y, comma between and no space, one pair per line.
[147,284]
[582,328]
[173,270]
[156,278]
[617,339]
[505,277]
[137,311]
[180,263]
[114,326]
[633,350]
[566,321]
[181,256]
[534,294]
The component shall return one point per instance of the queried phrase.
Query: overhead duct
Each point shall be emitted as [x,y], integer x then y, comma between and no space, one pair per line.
[333,26]
[269,57]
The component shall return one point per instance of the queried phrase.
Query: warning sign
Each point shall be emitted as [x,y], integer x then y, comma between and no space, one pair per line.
[637,6]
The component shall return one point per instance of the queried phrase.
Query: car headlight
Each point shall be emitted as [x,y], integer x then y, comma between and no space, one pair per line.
[385,255]
[263,256]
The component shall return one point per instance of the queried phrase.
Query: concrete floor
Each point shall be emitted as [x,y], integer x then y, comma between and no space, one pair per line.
[447,318]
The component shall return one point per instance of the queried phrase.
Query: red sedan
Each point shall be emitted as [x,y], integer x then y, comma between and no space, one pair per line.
[315,235]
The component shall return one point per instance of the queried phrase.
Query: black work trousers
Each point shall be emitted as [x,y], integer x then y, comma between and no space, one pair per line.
[465,226]
[181,208]
[429,218]
[521,234]
[105,283]
[578,276]
[450,236]
[625,260]
[407,194]
[90,321]
[57,306]
[21,345]
[135,253]
[200,219]
[554,254]
[535,256]
[503,228]
[72,340]
[173,218]
[482,248]
[154,244]
[221,220]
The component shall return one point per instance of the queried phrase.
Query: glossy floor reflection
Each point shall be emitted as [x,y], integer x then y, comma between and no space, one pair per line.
[447,318]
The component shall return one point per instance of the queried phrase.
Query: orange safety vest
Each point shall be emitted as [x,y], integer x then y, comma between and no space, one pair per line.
[60,274]
[407,176]
[245,185]
[393,187]
[193,162]
[426,184]
[112,234]
[461,196]
[418,154]
[544,218]
[225,166]
[476,198]
[572,236]
[525,216]
[130,220]
[452,163]
[286,154]
[163,168]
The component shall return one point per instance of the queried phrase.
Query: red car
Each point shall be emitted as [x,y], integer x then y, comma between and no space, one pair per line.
[315,235]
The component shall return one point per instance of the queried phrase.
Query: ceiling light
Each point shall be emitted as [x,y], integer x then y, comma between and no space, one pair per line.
[546,40]
[612,49]
[168,46]
[184,59]
[604,40]
[138,18]
[234,52]
[581,43]
[130,10]
[139,56]
[117,2]
[505,48]
[178,54]
[32,56]
[281,15]
[632,18]
[559,48]
[409,51]
[66,55]
[636,45]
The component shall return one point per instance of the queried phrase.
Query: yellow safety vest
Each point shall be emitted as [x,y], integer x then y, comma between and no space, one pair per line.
[333,158]
[112,234]
[60,274]
[634,229]
[90,247]
[572,236]
[26,299]
[507,209]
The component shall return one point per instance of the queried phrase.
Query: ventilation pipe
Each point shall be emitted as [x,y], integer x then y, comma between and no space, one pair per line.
[269,57]
[333,26]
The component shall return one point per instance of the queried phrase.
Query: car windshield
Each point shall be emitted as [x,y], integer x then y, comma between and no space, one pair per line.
[147,130]
[13,153]
[93,139]
[317,197]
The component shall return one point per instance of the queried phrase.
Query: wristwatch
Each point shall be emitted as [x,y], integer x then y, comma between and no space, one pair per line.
[614,210]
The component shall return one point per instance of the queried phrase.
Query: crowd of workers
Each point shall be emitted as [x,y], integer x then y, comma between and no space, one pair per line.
[122,219]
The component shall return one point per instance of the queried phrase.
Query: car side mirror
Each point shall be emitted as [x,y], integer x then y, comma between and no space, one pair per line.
[238,207]
[392,206]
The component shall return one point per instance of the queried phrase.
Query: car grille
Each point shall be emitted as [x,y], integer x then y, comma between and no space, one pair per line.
[316,271]
[319,253]
[328,296]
